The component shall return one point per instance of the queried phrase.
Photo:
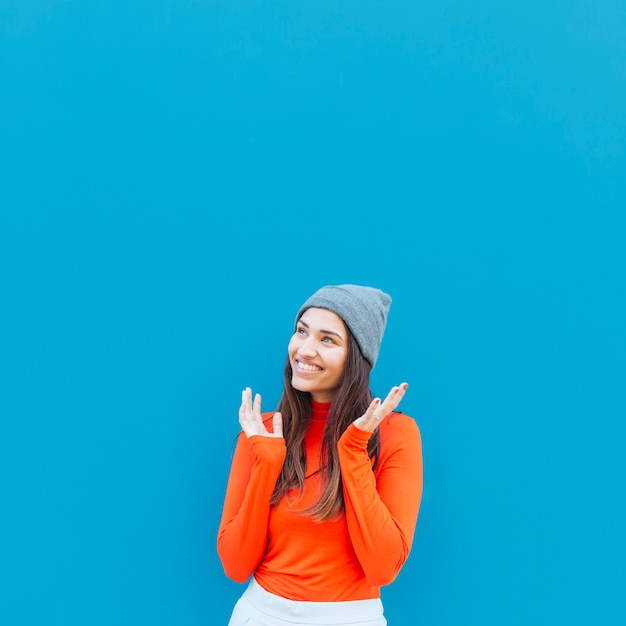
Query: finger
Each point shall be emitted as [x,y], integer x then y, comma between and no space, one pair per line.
[401,390]
[246,396]
[369,420]
[391,401]
[257,404]
[394,397]
[277,423]
[246,417]
[372,408]
[244,403]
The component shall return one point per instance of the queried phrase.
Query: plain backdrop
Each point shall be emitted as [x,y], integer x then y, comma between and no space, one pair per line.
[177,177]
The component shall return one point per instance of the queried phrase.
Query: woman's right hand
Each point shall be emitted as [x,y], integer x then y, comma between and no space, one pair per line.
[251,420]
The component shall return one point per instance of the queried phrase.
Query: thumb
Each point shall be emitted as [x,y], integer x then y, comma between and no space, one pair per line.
[277,423]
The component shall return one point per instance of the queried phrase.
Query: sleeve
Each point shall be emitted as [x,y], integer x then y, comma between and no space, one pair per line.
[242,534]
[381,508]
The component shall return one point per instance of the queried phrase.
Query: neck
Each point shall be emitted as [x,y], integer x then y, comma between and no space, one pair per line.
[319,410]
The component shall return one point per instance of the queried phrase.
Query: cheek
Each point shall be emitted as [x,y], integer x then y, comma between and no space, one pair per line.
[293,346]
[339,365]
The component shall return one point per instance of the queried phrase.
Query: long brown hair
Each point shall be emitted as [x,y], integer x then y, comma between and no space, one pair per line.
[351,401]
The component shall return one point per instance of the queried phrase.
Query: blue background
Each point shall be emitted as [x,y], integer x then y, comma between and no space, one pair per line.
[177,177]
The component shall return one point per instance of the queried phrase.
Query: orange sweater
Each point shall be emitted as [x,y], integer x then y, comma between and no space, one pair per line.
[295,557]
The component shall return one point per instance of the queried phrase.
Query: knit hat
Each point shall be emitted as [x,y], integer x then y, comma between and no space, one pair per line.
[363,309]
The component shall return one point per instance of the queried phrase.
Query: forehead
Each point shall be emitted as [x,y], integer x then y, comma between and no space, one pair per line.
[323,319]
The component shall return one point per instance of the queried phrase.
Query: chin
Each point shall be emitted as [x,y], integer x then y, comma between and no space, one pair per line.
[299,385]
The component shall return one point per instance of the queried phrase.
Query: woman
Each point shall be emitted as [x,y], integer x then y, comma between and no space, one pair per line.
[323,495]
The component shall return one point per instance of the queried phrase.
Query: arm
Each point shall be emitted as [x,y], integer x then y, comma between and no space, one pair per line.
[242,535]
[257,463]
[382,508]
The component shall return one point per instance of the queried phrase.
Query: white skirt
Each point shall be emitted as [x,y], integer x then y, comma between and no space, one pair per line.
[258,607]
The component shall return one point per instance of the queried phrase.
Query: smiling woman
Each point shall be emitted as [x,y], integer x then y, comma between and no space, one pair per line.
[323,494]
[317,353]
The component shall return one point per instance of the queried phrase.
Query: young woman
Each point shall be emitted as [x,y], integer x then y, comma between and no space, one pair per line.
[323,495]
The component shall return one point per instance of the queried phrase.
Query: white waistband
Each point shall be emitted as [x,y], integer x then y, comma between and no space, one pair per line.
[355,612]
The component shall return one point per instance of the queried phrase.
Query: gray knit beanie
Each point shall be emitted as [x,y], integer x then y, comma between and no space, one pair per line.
[363,309]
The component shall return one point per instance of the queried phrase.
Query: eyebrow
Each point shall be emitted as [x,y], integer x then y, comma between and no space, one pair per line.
[322,331]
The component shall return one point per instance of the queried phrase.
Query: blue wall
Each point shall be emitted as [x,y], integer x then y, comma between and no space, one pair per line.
[177,177]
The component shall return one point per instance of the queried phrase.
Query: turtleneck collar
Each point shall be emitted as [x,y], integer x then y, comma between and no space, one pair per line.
[319,410]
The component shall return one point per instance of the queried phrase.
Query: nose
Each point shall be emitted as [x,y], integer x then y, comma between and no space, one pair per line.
[307,348]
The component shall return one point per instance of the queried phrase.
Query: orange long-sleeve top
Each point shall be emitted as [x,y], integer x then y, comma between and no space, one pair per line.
[294,556]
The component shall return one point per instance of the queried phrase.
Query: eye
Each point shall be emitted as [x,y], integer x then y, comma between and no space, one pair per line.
[300,331]
[328,340]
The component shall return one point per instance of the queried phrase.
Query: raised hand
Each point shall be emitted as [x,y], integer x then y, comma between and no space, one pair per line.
[251,420]
[370,420]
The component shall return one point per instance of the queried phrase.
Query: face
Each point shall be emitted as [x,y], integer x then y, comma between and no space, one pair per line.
[317,353]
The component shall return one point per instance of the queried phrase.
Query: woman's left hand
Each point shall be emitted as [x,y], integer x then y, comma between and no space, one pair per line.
[370,420]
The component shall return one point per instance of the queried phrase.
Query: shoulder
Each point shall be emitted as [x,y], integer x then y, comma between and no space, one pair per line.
[399,427]
[400,443]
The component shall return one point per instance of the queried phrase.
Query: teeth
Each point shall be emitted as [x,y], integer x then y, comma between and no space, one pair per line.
[307,367]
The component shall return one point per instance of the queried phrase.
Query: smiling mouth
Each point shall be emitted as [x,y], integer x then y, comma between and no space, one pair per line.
[307,367]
